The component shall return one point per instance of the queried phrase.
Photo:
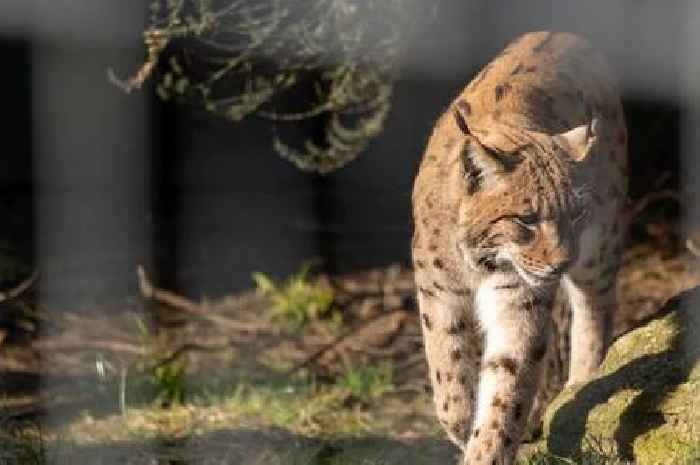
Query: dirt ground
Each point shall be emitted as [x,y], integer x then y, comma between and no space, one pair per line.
[63,362]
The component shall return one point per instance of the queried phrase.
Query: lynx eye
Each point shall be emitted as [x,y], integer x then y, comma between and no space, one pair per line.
[528,221]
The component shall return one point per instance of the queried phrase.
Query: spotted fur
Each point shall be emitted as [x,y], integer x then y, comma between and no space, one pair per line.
[518,232]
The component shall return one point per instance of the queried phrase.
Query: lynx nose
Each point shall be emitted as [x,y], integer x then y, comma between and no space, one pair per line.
[561,251]
[563,263]
[563,255]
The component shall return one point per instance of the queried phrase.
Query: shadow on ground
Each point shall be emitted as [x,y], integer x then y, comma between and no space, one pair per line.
[256,447]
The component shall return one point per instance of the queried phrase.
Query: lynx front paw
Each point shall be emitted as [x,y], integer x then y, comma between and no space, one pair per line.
[490,447]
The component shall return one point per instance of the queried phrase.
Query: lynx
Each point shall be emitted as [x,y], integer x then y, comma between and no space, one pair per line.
[518,236]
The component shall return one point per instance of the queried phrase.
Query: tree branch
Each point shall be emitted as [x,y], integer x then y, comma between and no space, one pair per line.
[155,40]
[338,341]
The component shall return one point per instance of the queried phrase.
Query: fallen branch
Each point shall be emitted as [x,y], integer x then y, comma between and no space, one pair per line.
[190,347]
[20,288]
[640,205]
[150,292]
[338,341]
[67,346]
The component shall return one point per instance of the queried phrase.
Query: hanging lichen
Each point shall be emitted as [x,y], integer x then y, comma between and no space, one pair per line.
[237,58]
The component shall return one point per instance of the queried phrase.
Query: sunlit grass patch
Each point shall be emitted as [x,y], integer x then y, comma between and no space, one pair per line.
[360,401]
[692,455]
[298,300]
[600,451]
[367,381]
[587,458]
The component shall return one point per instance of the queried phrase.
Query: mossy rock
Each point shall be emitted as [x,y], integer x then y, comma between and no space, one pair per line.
[644,403]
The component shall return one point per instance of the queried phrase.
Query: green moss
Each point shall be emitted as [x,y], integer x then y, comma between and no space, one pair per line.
[660,446]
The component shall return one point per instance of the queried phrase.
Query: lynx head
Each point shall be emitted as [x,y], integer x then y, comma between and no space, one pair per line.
[529,198]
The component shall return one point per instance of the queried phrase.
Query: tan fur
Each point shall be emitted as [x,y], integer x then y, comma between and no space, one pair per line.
[518,232]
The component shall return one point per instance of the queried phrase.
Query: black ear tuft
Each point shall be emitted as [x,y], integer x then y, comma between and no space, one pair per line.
[472,173]
[481,165]
[461,122]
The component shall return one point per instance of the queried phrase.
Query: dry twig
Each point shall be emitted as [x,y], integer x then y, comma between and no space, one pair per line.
[636,208]
[149,292]
[190,347]
[20,288]
[81,345]
[339,340]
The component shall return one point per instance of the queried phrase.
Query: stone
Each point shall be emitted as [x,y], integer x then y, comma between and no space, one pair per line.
[644,402]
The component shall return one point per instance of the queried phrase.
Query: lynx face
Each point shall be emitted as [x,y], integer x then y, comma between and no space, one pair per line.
[529,201]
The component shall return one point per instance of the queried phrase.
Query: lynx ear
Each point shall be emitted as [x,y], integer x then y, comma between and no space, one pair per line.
[580,140]
[483,166]
[479,163]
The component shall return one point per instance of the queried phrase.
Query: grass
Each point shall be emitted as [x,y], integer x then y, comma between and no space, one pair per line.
[165,375]
[367,381]
[361,400]
[586,458]
[308,422]
[295,303]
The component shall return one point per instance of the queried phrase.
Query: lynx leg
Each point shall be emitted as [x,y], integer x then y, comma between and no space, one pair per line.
[590,329]
[516,325]
[452,362]
[591,286]
[555,366]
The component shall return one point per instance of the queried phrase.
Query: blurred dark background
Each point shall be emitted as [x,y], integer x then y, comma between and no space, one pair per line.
[94,181]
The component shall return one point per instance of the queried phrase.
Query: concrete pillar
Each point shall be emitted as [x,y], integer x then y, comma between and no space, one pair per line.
[90,156]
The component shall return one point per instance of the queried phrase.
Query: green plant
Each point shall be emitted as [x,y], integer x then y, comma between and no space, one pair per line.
[21,441]
[167,374]
[367,381]
[169,378]
[298,300]
[692,456]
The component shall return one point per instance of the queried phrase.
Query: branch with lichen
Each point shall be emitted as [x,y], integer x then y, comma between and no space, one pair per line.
[238,58]
[155,42]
